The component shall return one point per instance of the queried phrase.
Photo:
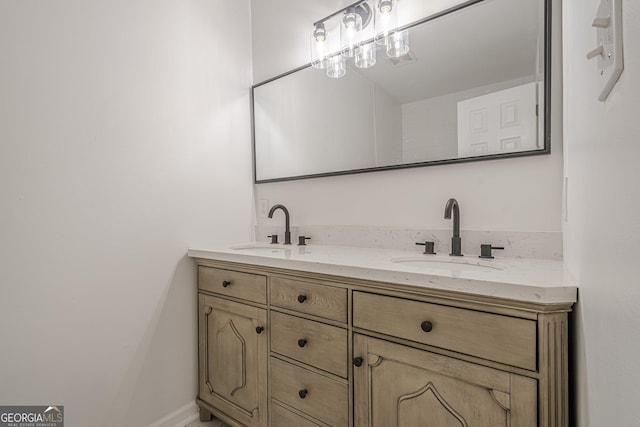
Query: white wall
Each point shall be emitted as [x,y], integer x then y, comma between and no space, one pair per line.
[603,228]
[521,194]
[124,140]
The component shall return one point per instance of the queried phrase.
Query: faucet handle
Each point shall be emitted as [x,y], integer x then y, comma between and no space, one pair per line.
[485,251]
[274,239]
[302,239]
[428,247]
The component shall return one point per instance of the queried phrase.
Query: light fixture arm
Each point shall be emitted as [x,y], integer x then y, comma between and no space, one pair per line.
[361,7]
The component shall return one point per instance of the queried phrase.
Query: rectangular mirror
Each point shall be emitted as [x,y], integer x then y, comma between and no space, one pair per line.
[475,85]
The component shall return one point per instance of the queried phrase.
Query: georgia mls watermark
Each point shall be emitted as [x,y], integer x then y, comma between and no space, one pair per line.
[32,416]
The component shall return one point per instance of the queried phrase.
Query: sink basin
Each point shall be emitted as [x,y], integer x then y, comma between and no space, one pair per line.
[453,264]
[260,247]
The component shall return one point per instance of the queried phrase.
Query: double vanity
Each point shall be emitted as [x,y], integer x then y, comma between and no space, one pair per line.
[318,335]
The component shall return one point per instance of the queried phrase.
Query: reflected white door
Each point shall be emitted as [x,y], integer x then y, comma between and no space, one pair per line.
[499,122]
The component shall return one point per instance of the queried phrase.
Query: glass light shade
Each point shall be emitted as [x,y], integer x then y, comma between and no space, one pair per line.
[398,44]
[336,67]
[350,32]
[366,55]
[318,52]
[386,20]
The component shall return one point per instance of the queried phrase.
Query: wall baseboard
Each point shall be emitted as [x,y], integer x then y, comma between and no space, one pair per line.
[180,417]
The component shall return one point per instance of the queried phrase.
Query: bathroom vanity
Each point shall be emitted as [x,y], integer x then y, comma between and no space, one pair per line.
[336,336]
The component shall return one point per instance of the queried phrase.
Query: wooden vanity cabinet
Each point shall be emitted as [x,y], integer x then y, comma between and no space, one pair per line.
[344,352]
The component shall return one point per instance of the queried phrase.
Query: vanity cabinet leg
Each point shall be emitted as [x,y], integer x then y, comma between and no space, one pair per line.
[553,408]
[205,415]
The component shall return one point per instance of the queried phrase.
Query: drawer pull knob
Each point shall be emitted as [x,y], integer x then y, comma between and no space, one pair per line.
[303,393]
[259,329]
[302,342]
[426,326]
[226,283]
[357,361]
[302,298]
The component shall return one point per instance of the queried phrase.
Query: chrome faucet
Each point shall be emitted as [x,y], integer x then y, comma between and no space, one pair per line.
[456,241]
[287,227]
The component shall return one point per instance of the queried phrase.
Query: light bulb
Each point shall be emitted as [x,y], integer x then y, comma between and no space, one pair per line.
[385,6]
[320,34]
[350,17]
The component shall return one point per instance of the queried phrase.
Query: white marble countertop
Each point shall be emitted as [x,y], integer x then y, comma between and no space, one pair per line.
[531,280]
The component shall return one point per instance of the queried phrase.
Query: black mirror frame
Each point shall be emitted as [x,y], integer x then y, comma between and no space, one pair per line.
[548,23]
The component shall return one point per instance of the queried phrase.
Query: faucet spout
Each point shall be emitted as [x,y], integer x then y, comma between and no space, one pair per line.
[452,207]
[287,226]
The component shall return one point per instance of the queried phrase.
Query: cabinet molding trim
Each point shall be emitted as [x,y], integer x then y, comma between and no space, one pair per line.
[207,376]
[436,395]
[501,398]
[243,353]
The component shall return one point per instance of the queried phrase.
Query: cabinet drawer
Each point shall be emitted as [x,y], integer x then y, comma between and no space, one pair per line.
[313,343]
[250,287]
[494,337]
[325,399]
[319,300]
[281,417]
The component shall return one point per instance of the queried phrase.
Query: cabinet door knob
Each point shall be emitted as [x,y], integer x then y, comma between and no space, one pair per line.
[302,298]
[226,283]
[426,326]
[259,329]
[302,342]
[357,361]
[303,393]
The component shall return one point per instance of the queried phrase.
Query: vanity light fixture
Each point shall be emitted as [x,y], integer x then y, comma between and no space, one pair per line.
[354,32]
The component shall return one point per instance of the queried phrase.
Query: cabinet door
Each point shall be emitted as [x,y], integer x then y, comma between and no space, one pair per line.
[233,359]
[399,386]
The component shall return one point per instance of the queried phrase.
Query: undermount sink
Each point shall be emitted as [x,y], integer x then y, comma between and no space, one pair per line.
[453,264]
[260,247]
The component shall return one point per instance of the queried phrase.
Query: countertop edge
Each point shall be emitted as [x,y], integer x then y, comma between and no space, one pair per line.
[516,291]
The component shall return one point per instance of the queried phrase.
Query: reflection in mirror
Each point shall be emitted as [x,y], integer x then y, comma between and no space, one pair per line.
[471,87]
